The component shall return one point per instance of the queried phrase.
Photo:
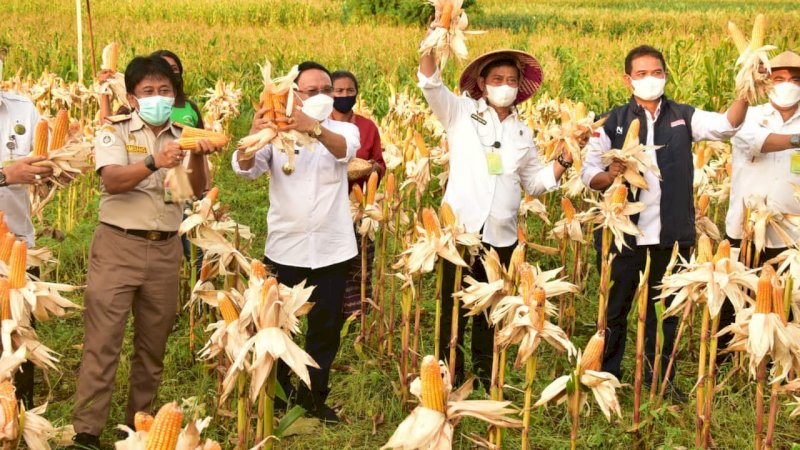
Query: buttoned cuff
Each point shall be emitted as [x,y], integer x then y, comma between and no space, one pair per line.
[252,172]
[433,81]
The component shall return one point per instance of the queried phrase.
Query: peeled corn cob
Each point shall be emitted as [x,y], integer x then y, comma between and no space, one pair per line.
[702,204]
[6,244]
[759,31]
[620,195]
[432,384]
[5,299]
[358,194]
[142,421]
[60,129]
[446,16]
[430,222]
[167,425]
[632,138]
[40,139]
[704,252]
[538,299]
[764,292]
[447,215]
[569,209]
[227,308]
[258,269]
[592,358]
[17,265]
[213,195]
[420,144]
[723,251]
[390,186]
[372,187]
[8,403]
[738,37]
[110,57]
[191,136]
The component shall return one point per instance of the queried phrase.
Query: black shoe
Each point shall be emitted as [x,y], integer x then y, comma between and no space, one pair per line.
[324,413]
[314,404]
[85,441]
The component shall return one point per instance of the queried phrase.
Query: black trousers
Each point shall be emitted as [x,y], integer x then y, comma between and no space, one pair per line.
[625,277]
[325,319]
[482,331]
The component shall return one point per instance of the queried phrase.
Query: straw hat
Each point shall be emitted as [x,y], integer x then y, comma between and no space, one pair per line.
[787,59]
[529,69]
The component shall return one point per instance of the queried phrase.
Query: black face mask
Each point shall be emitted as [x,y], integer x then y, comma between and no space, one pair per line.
[344,104]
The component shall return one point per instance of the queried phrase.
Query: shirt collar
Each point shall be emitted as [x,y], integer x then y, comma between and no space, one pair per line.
[483,106]
[769,110]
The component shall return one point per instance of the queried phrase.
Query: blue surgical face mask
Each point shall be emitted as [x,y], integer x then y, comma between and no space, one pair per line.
[155,110]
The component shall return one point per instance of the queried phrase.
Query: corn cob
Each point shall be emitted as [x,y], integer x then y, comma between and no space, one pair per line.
[5,299]
[17,265]
[447,215]
[700,156]
[6,244]
[8,403]
[258,269]
[447,15]
[565,117]
[60,129]
[205,272]
[580,111]
[430,222]
[723,251]
[738,38]
[227,308]
[390,185]
[167,425]
[110,57]
[764,292]
[568,208]
[40,139]
[432,385]
[358,194]
[619,195]
[213,195]
[279,102]
[632,138]
[592,358]
[526,283]
[3,224]
[521,238]
[538,302]
[517,258]
[142,421]
[372,187]
[420,143]
[704,252]
[759,31]
[190,136]
[702,204]
[270,283]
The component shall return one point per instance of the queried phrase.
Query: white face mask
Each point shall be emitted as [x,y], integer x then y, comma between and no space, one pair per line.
[649,87]
[501,96]
[318,107]
[785,94]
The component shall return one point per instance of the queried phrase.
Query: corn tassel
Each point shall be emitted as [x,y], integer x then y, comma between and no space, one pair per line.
[568,208]
[632,138]
[372,187]
[738,37]
[227,308]
[166,427]
[5,299]
[40,139]
[17,265]
[142,421]
[764,292]
[432,384]
[447,215]
[60,129]
[759,31]
[592,358]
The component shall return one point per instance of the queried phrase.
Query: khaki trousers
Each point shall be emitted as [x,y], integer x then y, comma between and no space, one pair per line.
[125,273]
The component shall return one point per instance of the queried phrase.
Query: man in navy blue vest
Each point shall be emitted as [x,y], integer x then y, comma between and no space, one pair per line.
[669,214]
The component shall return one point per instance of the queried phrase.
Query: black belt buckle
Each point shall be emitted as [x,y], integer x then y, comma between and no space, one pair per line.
[153,236]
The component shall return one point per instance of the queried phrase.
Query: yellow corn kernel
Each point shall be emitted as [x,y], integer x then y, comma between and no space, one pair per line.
[142,421]
[227,308]
[632,138]
[40,139]
[568,208]
[447,215]
[592,358]
[759,31]
[723,251]
[6,244]
[704,252]
[8,403]
[358,194]
[5,299]
[372,187]
[17,277]
[60,129]
[764,292]
[619,195]
[430,222]
[432,384]
[190,143]
[167,425]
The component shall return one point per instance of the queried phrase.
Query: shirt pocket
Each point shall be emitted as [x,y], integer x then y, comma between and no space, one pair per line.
[150,180]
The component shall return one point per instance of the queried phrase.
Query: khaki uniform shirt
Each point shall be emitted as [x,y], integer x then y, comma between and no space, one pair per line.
[128,140]
[18,118]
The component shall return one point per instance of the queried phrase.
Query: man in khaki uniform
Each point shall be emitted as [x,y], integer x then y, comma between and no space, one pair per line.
[135,256]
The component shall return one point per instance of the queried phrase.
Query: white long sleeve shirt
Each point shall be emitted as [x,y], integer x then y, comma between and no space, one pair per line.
[308,221]
[478,198]
[764,174]
[18,119]
[706,126]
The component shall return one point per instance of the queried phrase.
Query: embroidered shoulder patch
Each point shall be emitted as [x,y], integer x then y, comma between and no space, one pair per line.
[106,139]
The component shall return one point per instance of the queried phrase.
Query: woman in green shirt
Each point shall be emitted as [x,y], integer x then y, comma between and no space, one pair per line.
[184,111]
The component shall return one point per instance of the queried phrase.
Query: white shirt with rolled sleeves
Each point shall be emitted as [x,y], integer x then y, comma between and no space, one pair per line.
[765,174]
[478,199]
[706,126]
[308,222]
[18,119]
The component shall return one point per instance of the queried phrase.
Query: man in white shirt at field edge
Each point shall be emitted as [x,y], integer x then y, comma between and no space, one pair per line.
[309,228]
[492,158]
[668,217]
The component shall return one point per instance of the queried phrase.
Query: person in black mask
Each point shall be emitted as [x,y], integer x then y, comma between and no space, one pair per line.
[345,91]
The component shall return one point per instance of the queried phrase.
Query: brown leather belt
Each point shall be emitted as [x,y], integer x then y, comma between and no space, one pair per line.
[150,235]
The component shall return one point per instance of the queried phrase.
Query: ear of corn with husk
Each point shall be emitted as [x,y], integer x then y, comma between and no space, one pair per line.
[448,37]
[635,157]
[752,79]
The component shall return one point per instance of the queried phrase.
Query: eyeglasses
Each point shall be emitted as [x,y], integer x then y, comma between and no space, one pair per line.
[327,90]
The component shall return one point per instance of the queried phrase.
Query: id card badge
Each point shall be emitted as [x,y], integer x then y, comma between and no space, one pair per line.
[494,163]
[794,165]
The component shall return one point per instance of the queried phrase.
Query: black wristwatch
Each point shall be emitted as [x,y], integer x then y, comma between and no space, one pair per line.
[150,162]
[3,182]
[795,140]
[564,163]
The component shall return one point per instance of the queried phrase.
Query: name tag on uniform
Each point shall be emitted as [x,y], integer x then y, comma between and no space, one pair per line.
[136,149]
[795,162]
[494,163]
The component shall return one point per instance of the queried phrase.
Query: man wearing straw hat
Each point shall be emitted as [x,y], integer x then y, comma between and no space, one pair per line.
[766,163]
[668,217]
[492,158]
